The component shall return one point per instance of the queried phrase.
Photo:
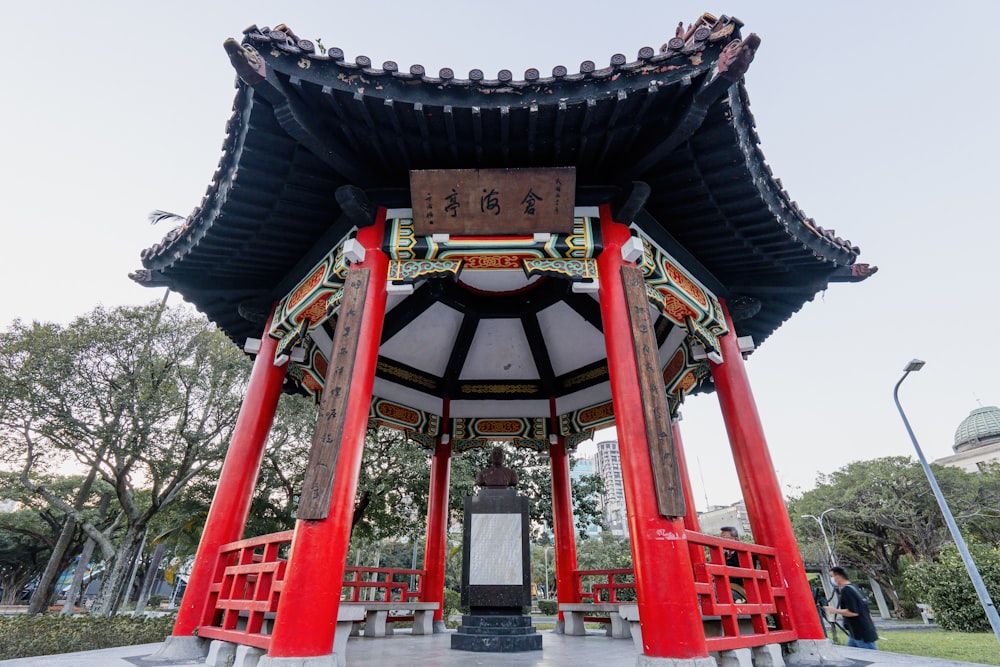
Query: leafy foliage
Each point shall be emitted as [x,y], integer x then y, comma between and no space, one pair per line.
[945,585]
[23,552]
[885,515]
[144,397]
[548,607]
[610,552]
[23,636]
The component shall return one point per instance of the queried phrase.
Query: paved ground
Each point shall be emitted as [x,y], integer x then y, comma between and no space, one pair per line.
[418,651]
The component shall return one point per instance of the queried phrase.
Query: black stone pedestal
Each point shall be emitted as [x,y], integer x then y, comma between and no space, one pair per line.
[496,633]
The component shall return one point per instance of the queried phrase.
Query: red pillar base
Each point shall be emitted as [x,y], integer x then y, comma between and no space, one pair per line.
[306,619]
[664,578]
[759,483]
[562,524]
[436,544]
[227,517]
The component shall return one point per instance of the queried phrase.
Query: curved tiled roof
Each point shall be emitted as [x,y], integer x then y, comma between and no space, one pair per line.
[980,428]
[306,123]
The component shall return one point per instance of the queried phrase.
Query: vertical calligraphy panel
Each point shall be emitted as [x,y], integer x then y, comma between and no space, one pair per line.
[666,475]
[318,484]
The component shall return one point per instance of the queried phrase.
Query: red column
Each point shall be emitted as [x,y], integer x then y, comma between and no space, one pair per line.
[227,516]
[761,490]
[307,612]
[436,544]
[562,519]
[691,519]
[664,579]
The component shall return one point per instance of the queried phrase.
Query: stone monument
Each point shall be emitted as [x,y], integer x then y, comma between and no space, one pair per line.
[496,566]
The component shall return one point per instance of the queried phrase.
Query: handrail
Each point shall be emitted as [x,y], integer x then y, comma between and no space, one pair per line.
[249,577]
[749,601]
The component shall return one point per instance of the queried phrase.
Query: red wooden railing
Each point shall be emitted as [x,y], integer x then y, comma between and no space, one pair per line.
[249,576]
[764,613]
[603,585]
[759,576]
[387,584]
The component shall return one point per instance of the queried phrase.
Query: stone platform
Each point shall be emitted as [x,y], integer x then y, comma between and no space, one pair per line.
[496,633]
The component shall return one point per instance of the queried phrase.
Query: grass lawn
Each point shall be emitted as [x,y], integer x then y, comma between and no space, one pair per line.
[978,647]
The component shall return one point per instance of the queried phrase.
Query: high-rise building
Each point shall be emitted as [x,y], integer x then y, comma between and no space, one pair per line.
[608,464]
[582,467]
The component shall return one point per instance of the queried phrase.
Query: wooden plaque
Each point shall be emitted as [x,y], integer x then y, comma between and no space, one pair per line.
[666,475]
[317,487]
[493,202]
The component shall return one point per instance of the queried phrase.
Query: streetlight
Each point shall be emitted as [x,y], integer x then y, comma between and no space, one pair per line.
[546,552]
[819,520]
[970,565]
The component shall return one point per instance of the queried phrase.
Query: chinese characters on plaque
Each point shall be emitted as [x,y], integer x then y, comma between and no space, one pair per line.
[493,202]
[317,487]
[666,475]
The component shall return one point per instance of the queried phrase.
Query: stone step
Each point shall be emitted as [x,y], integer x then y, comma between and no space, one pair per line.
[496,620]
[496,644]
[465,630]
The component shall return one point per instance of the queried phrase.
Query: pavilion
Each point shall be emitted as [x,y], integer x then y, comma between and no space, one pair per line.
[479,259]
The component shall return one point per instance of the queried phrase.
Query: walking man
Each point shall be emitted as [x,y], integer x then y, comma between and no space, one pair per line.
[854,609]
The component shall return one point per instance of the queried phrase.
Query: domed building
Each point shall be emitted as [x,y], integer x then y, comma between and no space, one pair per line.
[977,440]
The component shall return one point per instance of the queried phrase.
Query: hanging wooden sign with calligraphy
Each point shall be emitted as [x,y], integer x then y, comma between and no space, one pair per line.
[666,475]
[317,487]
[493,202]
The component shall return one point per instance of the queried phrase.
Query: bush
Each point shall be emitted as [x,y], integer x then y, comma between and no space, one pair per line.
[452,606]
[23,636]
[944,584]
[548,607]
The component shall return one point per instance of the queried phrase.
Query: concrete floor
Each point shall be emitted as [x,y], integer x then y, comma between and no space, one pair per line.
[405,650]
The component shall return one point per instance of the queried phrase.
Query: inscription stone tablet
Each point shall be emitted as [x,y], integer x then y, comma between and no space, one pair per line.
[496,560]
[495,551]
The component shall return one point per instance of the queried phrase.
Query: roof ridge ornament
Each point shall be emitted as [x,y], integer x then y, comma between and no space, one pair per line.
[735,59]
[246,61]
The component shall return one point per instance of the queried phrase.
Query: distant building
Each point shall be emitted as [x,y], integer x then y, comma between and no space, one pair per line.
[582,467]
[717,516]
[608,464]
[977,441]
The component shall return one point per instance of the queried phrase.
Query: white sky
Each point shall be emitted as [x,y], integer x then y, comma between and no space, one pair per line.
[879,117]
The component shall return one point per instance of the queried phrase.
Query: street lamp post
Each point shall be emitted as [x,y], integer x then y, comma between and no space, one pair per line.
[819,520]
[970,565]
[546,551]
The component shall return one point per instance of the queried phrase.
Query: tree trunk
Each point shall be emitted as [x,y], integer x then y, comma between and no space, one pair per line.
[57,561]
[150,578]
[116,574]
[76,588]
[12,587]
[43,592]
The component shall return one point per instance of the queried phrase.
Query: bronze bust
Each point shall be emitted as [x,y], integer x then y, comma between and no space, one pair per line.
[497,475]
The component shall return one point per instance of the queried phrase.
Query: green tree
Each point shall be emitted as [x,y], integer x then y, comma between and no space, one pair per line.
[144,397]
[944,584]
[25,543]
[610,552]
[885,514]
[58,539]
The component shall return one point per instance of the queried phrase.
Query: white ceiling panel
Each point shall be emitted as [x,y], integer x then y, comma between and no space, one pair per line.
[584,398]
[496,280]
[571,341]
[426,343]
[499,351]
[406,396]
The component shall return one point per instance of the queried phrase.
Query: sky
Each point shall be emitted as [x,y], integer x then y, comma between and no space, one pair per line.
[879,118]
